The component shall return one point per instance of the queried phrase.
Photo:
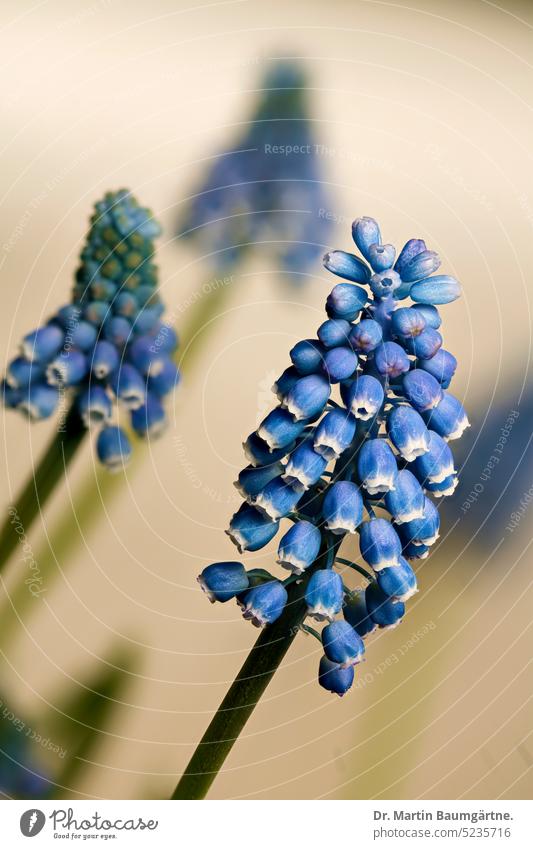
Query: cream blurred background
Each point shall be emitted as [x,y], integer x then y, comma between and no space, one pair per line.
[426,116]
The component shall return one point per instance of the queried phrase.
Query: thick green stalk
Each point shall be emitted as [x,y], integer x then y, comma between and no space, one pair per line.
[245,692]
[54,463]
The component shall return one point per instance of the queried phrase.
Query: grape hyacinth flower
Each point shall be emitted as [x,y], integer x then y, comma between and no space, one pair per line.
[349,460]
[267,189]
[107,350]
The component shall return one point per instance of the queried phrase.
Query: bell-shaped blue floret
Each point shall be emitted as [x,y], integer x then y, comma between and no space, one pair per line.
[355,612]
[346,301]
[39,401]
[68,369]
[113,448]
[334,678]
[83,336]
[406,500]
[104,359]
[448,418]
[94,405]
[385,283]
[366,335]
[425,345]
[42,344]
[299,547]
[365,233]
[253,479]
[411,249]
[385,612]
[223,581]
[342,644]
[411,551]
[437,463]
[431,315]
[264,604]
[407,322]
[118,330]
[380,544]
[279,429]
[149,420]
[307,356]
[277,499]
[305,467]
[442,366]
[334,332]
[364,397]
[339,363]
[407,432]
[381,257]
[307,398]
[258,452]
[444,487]
[439,289]
[391,360]
[250,529]
[348,266]
[11,397]
[129,386]
[21,372]
[285,382]
[420,266]
[324,595]
[334,434]
[376,466]
[342,508]
[164,378]
[422,531]
[145,357]
[421,389]
[397,582]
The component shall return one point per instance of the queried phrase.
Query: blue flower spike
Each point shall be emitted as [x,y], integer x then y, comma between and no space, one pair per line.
[107,348]
[358,446]
[268,188]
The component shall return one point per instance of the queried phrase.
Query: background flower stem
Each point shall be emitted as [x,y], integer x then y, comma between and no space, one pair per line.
[42,482]
[244,694]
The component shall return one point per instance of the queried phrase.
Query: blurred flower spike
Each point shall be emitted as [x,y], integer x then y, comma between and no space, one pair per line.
[364,466]
[108,349]
[267,190]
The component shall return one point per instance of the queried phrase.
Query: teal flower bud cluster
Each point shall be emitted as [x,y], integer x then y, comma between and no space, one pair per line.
[353,454]
[108,349]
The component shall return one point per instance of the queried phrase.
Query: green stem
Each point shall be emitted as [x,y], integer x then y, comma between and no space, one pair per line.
[246,691]
[240,700]
[54,463]
[355,566]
